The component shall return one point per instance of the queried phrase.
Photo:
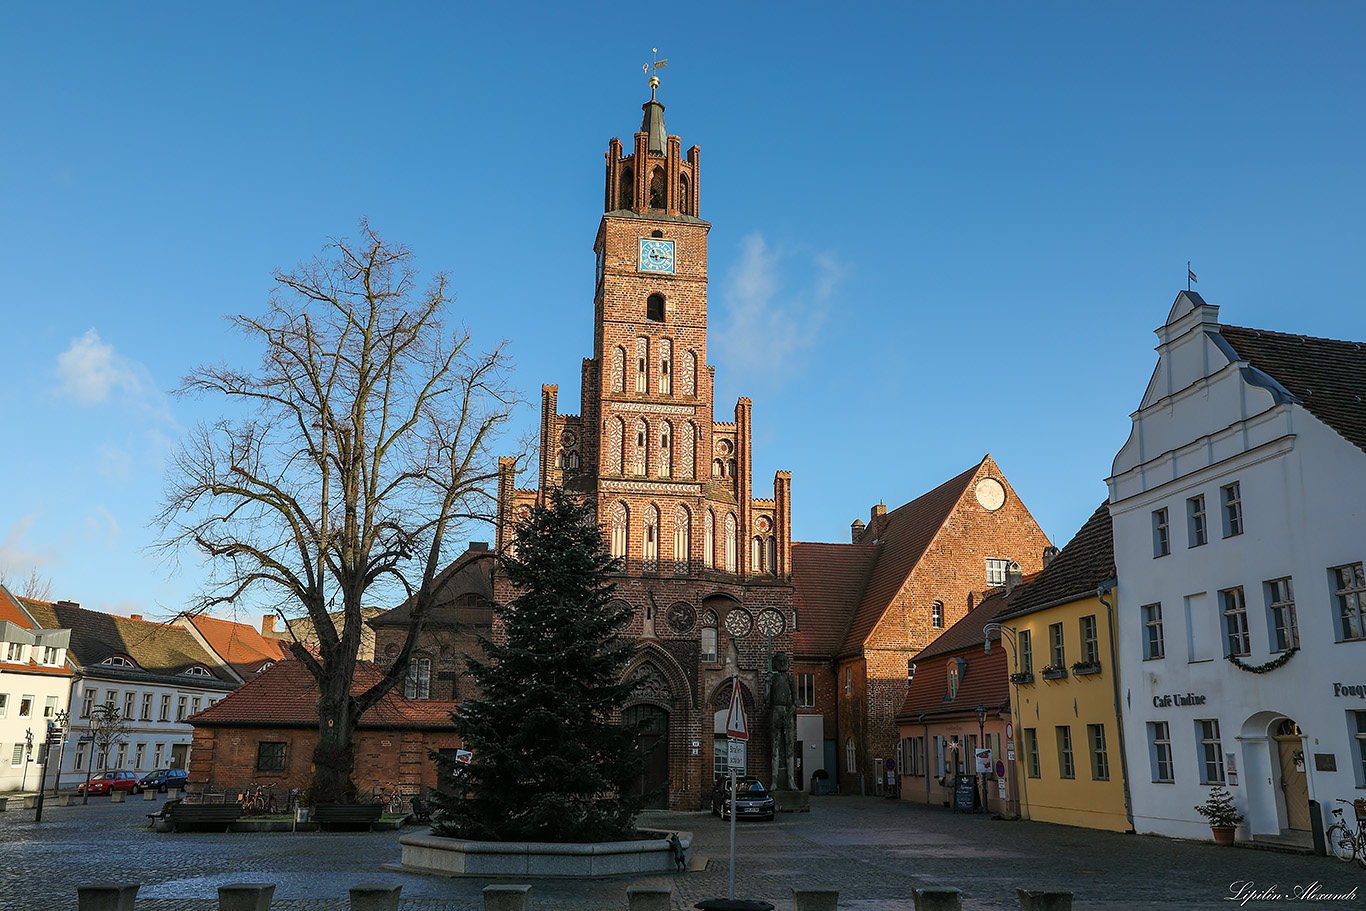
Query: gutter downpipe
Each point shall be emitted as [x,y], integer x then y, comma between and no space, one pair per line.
[921,721]
[1102,590]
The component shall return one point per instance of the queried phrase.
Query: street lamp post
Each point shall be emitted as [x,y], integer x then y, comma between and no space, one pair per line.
[1008,634]
[981,739]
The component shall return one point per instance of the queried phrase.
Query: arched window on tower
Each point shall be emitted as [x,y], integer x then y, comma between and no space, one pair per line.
[716,468]
[709,540]
[628,189]
[687,455]
[638,456]
[659,189]
[690,374]
[731,543]
[666,372]
[651,534]
[756,555]
[621,519]
[772,554]
[619,369]
[666,451]
[642,365]
[730,468]
[682,537]
[685,195]
[616,447]
[571,461]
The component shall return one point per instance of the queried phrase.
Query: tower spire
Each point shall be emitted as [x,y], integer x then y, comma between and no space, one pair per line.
[653,121]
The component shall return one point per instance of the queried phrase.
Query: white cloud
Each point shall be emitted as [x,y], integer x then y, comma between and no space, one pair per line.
[15,554]
[91,372]
[773,306]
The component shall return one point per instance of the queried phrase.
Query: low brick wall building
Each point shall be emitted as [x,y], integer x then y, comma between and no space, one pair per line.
[265,732]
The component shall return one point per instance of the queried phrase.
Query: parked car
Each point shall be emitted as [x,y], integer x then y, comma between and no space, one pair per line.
[162,779]
[105,782]
[751,798]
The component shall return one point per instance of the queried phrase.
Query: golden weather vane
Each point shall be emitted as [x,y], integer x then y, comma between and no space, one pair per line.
[650,71]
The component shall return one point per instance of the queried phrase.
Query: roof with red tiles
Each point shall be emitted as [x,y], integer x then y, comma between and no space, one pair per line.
[240,646]
[286,695]
[1327,376]
[902,537]
[1075,573]
[983,678]
[828,580]
[11,611]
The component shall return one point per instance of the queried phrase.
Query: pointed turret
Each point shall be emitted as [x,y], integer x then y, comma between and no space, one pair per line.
[652,124]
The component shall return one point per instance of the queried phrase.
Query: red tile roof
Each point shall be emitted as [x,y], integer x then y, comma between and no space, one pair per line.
[902,537]
[241,646]
[11,611]
[1086,561]
[287,696]
[828,580]
[984,679]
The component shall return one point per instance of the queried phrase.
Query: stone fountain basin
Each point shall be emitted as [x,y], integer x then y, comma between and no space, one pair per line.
[439,856]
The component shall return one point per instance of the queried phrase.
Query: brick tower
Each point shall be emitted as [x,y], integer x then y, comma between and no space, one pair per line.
[708,566]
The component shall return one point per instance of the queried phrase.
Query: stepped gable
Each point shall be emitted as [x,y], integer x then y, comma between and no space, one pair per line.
[929,691]
[902,537]
[1081,566]
[158,649]
[286,695]
[829,579]
[1326,375]
[244,649]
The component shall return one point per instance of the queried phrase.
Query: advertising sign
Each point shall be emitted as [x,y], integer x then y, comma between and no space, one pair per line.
[983,761]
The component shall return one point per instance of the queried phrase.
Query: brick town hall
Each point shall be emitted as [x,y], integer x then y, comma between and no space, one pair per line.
[707,562]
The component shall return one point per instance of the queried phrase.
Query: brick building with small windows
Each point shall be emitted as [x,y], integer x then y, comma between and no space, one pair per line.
[265,733]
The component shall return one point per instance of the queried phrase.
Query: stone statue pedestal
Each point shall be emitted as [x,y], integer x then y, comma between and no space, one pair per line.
[792,801]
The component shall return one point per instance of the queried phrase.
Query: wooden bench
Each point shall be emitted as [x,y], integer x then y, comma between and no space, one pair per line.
[345,817]
[202,817]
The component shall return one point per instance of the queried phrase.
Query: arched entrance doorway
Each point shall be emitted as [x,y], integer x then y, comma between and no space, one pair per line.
[1294,781]
[654,744]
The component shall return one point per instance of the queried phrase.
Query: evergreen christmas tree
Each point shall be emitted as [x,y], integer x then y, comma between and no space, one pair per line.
[550,763]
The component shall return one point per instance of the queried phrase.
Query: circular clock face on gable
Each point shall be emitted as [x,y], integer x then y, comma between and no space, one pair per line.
[990,494]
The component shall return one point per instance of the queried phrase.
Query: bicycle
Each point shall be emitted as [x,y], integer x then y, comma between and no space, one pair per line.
[389,799]
[1344,843]
[259,799]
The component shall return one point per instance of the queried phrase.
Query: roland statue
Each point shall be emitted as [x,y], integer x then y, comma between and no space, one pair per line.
[782,714]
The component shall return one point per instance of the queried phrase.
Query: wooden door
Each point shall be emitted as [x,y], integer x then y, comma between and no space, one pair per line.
[654,743]
[1294,783]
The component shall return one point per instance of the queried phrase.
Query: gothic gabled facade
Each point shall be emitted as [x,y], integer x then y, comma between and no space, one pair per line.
[707,563]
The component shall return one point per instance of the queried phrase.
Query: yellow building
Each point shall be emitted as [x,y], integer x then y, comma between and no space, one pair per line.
[1059,637]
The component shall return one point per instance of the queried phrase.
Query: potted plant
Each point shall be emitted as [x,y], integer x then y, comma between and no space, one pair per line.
[1022,677]
[1082,668]
[1054,671]
[1222,814]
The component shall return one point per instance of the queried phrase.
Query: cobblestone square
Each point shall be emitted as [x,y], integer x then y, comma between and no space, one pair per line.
[874,851]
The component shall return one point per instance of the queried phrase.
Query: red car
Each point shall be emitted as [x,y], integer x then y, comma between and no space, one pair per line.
[105,782]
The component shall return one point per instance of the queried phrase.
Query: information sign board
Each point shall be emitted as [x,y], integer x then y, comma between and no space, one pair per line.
[965,794]
[983,761]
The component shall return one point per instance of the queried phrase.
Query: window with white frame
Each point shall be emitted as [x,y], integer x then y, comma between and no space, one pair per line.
[1285,631]
[18,754]
[111,698]
[182,705]
[79,762]
[1232,498]
[146,707]
[850,756]
[1351,597]
[419,682]
[937,615]
[87,703]
[1100,759]
[1162,541]
[50,707]
[158,750]
[996,571]
[130,699]
[913,756]
[4,704]
[806,690]
[120,754]
[49,654]
[1026,651]
[1236,642]
[1057,654]
[848,679]
[1090,640]
[1066,766]
[195,704]
[1211,752]
[1032,751]
[140,756]
[165,709]
[1359,737]
[709,645]
[1195,521]
[1153,645]
[1160,751]
[26,705]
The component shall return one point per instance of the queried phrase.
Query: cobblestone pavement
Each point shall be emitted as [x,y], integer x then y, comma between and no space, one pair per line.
[874,851]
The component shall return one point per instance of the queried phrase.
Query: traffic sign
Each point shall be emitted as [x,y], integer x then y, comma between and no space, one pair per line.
[891,765]
[735,754]
[1000,769]
[1010,731]
[737,725]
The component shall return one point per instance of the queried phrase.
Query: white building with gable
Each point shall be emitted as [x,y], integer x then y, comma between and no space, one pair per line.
[1239,508]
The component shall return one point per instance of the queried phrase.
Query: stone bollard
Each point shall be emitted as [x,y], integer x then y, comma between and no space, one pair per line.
[4,804]
[106,897]
[1041,900]
[375,897]
[30,802]
[149,795]
[172,793]
[507,898]
[68,800]
[116,796]
[815,899]
[649,898]
[938,900]
[245,896]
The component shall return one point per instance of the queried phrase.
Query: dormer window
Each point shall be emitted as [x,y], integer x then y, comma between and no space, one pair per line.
[197,671]
[49,654]
[118,661]
[265,667]
[15,652]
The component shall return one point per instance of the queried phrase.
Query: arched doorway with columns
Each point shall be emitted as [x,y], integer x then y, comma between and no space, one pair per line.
[1276,774]
[662,705]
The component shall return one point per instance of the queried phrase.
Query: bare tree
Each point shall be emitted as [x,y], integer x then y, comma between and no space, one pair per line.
[34,586]
[363,444]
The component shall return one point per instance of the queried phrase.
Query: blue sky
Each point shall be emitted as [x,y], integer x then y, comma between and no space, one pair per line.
[939,230]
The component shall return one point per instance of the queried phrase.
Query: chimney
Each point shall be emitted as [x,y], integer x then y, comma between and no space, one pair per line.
[878,512]
[856,531]
[479,545]
[1014,576]
[135,616]
[69,604]
[268,624]
[1050,553]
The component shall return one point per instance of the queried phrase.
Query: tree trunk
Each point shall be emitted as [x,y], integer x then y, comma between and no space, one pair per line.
[334,756]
